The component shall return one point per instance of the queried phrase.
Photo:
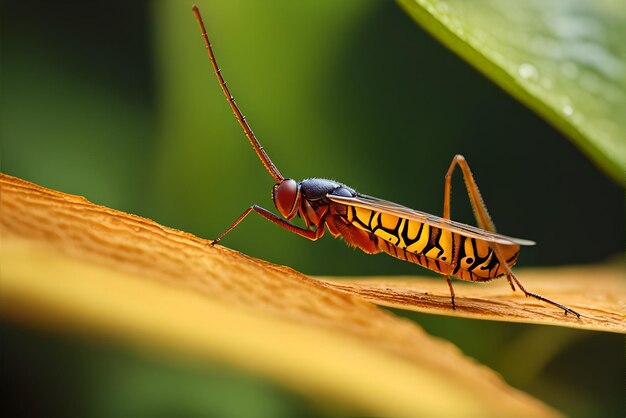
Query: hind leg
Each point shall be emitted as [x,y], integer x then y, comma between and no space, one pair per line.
[478,205]
[512,277]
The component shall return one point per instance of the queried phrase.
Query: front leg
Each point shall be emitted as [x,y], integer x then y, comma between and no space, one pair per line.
[306,233]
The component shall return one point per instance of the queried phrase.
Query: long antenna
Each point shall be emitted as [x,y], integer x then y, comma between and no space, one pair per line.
[265,159]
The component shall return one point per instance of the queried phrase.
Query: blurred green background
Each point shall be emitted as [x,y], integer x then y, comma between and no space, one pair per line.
[116,101]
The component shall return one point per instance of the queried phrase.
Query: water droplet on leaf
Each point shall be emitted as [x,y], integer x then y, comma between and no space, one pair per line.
[568,110]
[528,71]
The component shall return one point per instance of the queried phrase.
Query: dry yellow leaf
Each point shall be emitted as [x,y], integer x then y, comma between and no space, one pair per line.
[598,293]
[67,263]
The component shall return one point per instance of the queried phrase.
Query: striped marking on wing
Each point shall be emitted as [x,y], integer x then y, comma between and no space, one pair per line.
[384,206]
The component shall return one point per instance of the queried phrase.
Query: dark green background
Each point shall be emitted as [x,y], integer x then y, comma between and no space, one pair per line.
[116,101]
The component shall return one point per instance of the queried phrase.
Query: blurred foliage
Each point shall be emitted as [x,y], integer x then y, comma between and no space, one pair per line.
[107,381]
[116,101]
[576,371]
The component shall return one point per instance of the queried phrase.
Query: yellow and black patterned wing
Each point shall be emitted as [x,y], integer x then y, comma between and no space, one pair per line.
[384,206]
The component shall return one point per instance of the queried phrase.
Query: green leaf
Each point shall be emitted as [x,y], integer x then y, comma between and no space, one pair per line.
[565,59]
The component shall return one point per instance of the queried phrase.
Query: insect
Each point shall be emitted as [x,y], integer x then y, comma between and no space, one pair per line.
[374,225]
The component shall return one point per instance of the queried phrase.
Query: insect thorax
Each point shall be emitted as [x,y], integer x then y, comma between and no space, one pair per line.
[316,189]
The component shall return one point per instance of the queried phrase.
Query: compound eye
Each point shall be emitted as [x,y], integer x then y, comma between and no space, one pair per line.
[285,196]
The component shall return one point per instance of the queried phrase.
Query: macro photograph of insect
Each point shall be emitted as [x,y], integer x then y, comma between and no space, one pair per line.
[443,181]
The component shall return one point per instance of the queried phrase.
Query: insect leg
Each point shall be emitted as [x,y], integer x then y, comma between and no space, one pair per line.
[511,276]
[478,205]
[306,233]
[508,278]
[451,291]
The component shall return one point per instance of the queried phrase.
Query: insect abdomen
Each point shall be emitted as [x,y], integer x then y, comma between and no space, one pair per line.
[435,248]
